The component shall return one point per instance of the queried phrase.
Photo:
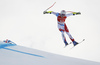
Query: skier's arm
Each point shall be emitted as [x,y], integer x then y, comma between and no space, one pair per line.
[73,13]
[50,12]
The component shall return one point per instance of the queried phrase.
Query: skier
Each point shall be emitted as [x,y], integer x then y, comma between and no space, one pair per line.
[61,17]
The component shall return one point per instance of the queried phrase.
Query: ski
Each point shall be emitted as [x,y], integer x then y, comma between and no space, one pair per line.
[75,45]
[78,43]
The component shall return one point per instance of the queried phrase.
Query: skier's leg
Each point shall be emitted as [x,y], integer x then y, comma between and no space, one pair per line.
[72,39]
[64,38]
[61,29]
[67,31]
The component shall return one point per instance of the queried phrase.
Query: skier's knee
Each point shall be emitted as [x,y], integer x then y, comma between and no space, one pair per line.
[61,30]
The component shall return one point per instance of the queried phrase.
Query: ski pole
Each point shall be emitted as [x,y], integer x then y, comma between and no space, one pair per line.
[70,11]
[50,6]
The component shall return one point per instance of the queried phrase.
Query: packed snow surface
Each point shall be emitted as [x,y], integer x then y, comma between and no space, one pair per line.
[11,54]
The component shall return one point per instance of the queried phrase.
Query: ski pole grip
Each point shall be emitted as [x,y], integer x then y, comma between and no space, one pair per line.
[44,12]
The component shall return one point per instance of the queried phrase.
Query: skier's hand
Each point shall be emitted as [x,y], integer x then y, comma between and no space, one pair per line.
[46,12]
[76,13]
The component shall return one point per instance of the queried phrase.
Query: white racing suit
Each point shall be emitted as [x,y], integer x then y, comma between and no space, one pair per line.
[62,26]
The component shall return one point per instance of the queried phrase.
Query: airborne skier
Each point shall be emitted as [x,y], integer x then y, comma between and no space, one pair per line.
[61,17]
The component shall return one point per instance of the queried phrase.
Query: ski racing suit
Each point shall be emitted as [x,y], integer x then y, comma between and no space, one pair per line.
[62,26]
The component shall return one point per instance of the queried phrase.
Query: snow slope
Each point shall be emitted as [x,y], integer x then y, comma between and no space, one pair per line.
[11,54]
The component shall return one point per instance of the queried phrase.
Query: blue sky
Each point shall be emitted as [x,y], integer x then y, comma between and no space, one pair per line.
[23,22]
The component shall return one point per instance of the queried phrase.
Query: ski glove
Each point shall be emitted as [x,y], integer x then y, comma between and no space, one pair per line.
[46,12]
[76,13]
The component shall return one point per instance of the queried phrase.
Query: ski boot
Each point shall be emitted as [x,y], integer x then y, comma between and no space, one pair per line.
[65,43]
[75,43]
